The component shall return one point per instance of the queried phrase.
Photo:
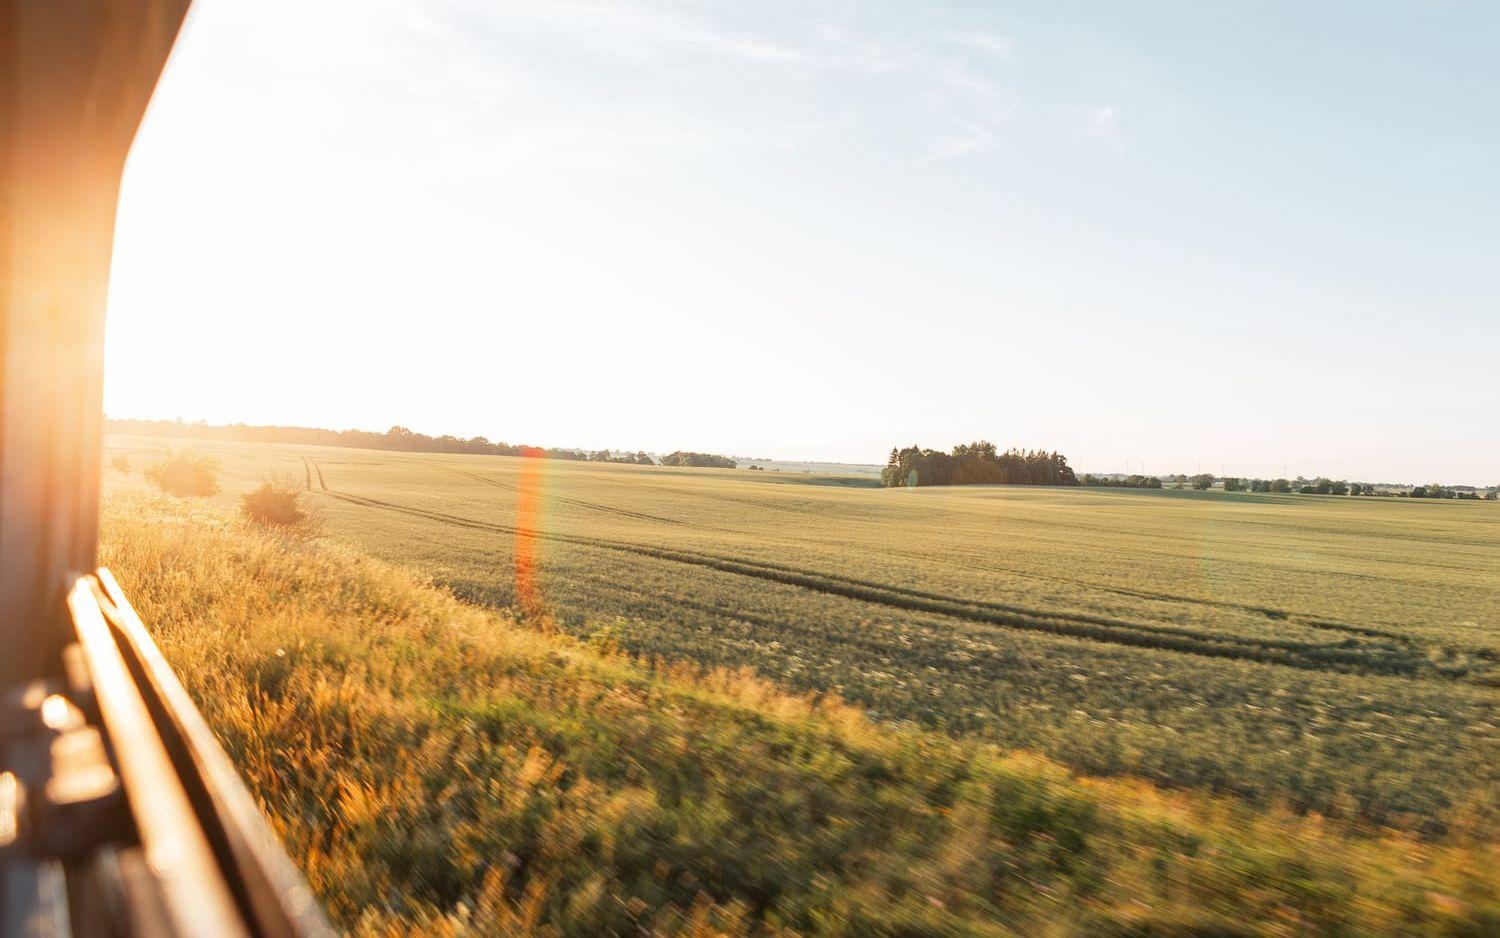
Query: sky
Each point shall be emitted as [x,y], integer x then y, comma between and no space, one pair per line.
[1258,238]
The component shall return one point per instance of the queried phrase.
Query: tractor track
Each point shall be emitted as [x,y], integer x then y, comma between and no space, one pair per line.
[576,502]
[1308,620]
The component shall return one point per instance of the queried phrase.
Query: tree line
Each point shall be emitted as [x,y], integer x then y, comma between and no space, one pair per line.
[701,460]
[637,458]
[1326,486]
[1319,486]
[978,463]
[1127,482]
[399,439]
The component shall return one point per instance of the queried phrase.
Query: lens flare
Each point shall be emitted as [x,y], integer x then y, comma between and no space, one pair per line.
[528,515]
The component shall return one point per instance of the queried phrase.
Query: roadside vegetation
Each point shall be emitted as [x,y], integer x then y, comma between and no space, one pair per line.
[437,768]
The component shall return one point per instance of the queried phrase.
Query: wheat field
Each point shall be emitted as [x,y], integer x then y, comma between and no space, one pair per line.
[1324,653]
[437,768]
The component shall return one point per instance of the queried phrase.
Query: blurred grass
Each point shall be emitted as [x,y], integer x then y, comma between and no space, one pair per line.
[436,769]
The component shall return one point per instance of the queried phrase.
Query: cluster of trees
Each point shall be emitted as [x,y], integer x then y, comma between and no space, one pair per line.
[1319,486]
[638,458]
[1326,486]
[701,460]
[1438,490]
[977,463]
[1322,486]
[1126,482]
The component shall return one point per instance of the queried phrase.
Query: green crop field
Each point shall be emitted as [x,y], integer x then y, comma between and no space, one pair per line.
[1337,654]
[435,768]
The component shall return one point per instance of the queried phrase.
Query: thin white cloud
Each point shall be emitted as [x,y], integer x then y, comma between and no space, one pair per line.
[972,138]
[845,48]
[998,48]
[1104,124]
[959,75]
[951,148]
[628,149]
[634,30]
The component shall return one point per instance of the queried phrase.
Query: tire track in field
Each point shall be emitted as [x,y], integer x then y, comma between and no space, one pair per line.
[1301,655]
[800,510]
[1403,537]
[1307,619]
[576,502]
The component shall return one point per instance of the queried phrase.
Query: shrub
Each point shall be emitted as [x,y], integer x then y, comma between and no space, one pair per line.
[120,463]
[186,473]
[277,502]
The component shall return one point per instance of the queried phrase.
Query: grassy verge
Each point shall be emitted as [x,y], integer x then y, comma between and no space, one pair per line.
[434,768]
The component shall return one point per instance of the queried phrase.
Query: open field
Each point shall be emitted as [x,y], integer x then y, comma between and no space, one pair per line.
[1336,654]
[436,768]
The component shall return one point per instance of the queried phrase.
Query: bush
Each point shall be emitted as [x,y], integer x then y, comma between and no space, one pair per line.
[120,463]
[277,502]
[187,473]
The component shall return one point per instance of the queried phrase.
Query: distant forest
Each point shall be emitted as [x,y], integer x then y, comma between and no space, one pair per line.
[399,439]
[976,463]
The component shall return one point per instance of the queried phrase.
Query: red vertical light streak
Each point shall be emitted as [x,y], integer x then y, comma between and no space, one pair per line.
[528,511]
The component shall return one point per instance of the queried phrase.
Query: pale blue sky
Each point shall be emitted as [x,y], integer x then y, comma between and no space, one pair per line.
[1257,236]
